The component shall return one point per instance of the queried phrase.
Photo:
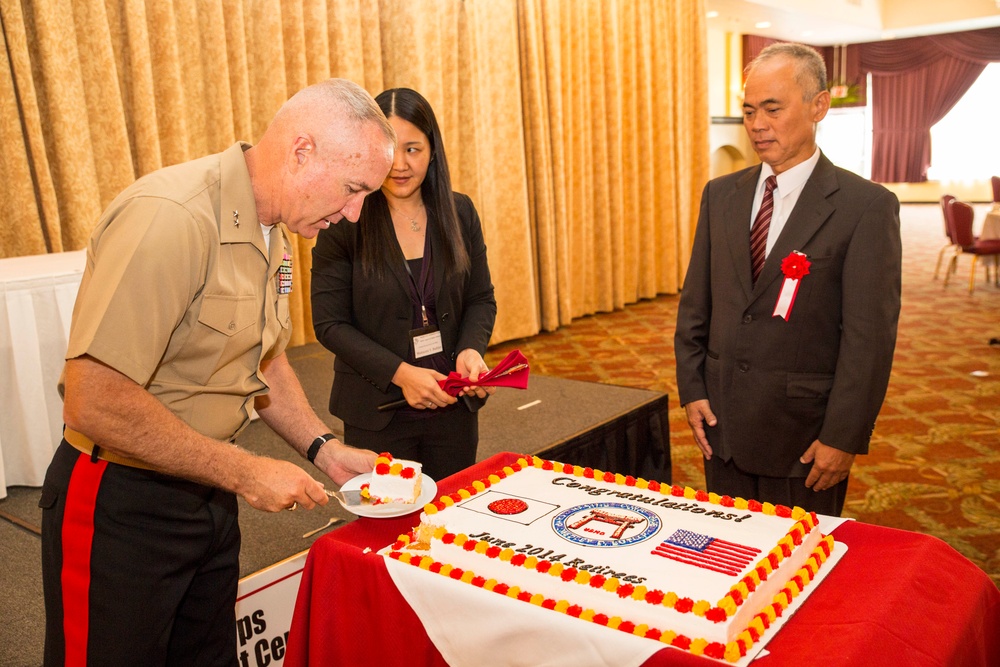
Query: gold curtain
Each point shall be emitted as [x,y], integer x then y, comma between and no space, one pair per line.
[578,127]
[463,57]
[616,133]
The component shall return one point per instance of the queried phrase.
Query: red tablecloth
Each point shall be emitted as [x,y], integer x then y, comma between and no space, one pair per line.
[896,598]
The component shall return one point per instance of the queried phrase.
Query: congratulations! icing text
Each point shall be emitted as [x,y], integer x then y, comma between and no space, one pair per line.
[665,502]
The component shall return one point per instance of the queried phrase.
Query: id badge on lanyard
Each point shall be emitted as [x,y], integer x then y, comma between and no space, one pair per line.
[426,340]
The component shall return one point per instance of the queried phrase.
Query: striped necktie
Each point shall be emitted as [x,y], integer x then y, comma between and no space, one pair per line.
[758,233]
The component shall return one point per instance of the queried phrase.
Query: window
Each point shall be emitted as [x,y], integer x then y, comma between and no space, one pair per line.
[965,144]
[845,136]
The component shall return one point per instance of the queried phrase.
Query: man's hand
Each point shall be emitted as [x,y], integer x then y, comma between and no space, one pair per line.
[342,462]
[699,415]
[273,485]
[830,466]
[287,411]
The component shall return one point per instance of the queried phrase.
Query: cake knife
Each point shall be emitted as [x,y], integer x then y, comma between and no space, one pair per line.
[346,498]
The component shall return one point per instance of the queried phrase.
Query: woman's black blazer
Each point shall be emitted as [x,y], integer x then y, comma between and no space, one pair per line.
[365,321]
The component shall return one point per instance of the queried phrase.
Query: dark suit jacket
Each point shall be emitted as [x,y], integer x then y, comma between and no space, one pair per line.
[366,322]
[776,386]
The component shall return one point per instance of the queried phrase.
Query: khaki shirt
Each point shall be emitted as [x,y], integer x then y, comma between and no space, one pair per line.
[183,300]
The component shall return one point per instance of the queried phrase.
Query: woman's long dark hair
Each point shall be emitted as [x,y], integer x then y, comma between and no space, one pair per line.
[377,244]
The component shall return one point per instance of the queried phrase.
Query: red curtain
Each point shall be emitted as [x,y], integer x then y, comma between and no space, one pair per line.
[915,83]
[752,45]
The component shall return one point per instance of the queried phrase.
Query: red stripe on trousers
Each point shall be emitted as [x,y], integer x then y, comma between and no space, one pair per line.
[77,540]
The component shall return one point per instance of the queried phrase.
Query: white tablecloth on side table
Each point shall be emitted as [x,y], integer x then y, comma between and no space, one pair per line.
[991,224]
[36,304]
[991,230]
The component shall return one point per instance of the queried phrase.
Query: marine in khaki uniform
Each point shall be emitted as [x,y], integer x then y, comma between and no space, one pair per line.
[178,334]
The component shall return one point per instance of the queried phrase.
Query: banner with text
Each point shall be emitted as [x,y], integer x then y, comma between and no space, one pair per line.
[264,605]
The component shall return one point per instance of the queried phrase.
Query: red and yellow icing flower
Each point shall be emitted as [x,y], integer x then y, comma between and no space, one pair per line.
[384,465]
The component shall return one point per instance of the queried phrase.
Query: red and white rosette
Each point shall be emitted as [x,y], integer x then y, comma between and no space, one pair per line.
[795,266]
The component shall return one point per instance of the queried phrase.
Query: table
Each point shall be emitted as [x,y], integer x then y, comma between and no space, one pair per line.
[991,224]
[897,597]
[37,294]
[991,230]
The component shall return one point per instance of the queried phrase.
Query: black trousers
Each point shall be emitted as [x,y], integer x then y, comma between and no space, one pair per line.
[726,479]
[444,442]
[138,568]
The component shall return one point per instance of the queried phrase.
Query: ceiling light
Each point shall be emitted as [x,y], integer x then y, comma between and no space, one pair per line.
[762,24]
[712,13]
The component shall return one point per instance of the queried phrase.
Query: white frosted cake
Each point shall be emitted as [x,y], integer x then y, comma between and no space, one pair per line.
[393,481]
[704,573]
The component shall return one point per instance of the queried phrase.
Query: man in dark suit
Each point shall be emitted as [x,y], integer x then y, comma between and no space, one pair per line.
[782,376]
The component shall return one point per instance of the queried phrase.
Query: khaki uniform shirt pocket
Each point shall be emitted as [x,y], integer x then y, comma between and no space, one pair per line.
[228,326]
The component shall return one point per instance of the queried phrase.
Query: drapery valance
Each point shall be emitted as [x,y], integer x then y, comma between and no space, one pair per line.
[903,55]
[915,83]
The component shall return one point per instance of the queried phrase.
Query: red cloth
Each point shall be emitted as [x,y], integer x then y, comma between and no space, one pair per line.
[512,371]
[896,598]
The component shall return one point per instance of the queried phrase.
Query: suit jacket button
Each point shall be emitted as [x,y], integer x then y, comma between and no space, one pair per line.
[744,367]
[747,319]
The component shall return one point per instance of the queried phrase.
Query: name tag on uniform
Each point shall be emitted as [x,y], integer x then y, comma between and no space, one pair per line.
[426,341]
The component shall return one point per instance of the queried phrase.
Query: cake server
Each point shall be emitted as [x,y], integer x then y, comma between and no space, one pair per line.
[346,498]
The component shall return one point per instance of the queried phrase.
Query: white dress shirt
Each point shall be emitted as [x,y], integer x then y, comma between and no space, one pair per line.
[786,194]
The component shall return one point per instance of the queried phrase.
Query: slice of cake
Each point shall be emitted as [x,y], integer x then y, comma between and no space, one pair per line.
[393,481]
[702,572]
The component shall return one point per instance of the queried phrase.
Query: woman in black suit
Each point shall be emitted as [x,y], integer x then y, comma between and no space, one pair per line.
[404,297]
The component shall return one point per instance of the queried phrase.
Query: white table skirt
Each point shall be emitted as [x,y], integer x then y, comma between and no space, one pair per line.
[37,294]
[991,224]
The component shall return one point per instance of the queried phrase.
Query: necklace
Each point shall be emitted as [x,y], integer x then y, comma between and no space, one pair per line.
[414,225]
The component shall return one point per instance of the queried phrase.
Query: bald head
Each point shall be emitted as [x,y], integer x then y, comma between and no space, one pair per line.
[327,148]
[318,109]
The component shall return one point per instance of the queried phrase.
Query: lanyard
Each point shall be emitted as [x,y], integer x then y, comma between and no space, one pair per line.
[417,291]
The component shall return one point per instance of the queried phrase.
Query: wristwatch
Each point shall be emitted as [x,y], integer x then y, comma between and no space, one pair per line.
[316,445]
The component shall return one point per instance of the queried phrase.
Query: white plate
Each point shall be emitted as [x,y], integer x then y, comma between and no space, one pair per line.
[428,489]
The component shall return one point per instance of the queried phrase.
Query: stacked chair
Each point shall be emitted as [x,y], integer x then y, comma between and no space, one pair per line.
[958,220]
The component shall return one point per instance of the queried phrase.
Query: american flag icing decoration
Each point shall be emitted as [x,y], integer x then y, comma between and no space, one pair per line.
[705,551]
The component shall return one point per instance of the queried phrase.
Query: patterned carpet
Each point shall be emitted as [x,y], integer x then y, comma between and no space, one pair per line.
[934,462]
